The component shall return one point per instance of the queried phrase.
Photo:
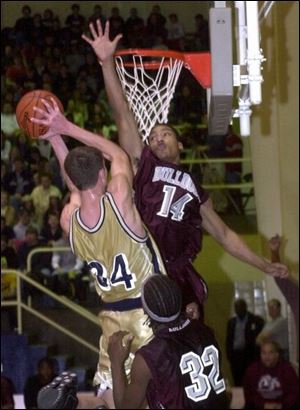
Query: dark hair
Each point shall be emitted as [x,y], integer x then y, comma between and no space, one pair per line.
[82,165]
[275,302]
[30,230]
[161,298]
[47,360]
[166,125]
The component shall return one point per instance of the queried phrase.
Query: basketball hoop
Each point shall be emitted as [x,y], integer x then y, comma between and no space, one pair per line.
[149,78]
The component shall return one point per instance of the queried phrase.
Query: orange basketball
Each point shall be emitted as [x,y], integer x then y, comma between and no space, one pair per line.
[24,111]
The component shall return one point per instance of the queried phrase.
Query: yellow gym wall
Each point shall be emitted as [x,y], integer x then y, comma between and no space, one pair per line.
[274,137]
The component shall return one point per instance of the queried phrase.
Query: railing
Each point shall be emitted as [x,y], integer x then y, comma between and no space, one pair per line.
[18,302]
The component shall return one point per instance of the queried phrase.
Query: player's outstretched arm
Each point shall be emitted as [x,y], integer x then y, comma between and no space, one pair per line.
[234,244]
[104,49]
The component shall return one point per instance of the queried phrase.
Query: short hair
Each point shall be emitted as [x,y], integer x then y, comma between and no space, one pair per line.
[48,361]
[31,230]
[275,302]
[161,298]
[166,125]
[82,165]
[273,343]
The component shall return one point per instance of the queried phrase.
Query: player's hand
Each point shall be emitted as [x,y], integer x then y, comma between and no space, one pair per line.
[52,118]
[192,311]
[119,346]
[278,270]
[103,47]
[274,243]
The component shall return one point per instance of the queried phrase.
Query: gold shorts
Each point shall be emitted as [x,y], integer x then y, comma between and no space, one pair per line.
[132,321]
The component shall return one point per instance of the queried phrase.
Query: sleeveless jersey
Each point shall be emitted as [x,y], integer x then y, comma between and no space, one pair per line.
[169,199]
[118,259]
[184,362]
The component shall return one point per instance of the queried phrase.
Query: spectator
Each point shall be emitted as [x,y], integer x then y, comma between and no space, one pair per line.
[7,210]
[40,264]
[25,220]
[77,109]
[7,392]
[45,374]
[74,57]
[241,348]
[23,26]
[161,20]
[8,119]
[155,29]
[51,231]
[8,255]
[32,80]
[116,22]
[201,33]
[175,33]
[68,269]
[38,30]
[276,329]
[75,21]
[55,207]
[7,230]
[64,77]
[134,27]
[97,14]
[16,72]
[31,242]
[271,383]
[5,147]
[48,21]
[18,182]
[41,196]
[22,142]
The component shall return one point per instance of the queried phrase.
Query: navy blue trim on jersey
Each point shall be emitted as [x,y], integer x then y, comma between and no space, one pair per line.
[98,224]
[154,256]
[123,305]
[122,222]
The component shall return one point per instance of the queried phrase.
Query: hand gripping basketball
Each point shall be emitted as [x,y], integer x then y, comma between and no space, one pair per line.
[52,118]
[60,393]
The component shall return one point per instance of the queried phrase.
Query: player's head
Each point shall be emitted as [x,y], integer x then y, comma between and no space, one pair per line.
[85,167]
[164,143]
[161,298]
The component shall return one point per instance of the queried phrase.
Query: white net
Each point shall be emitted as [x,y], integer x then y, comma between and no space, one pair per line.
[149,91]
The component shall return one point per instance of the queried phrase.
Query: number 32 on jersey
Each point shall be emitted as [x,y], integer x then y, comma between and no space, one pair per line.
[202,384]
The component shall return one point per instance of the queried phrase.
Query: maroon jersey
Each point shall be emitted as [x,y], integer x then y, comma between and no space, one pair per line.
[184,362]
[169,199]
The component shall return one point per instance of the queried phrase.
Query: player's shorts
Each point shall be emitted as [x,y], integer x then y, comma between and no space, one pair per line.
[132,321]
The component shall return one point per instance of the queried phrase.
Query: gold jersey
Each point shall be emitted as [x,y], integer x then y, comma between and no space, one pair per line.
[118,259]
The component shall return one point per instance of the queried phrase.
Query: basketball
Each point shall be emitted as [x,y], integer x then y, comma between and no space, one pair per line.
[24,111]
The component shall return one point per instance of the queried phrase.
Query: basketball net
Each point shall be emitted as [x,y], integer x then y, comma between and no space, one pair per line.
[149,88]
